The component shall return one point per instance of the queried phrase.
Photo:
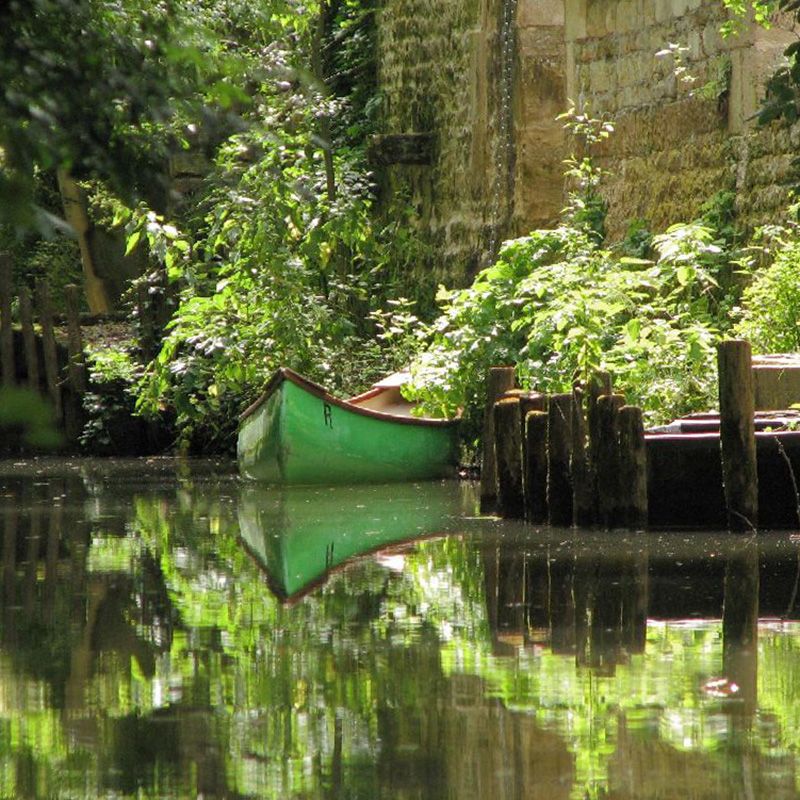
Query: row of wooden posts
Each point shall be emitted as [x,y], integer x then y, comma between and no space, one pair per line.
[574,458]
[42,370]
[580,458]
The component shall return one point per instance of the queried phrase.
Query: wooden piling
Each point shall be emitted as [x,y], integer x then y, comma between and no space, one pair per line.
[582,483]
[534,468]
[737,433]
[7,368]
[632,468]
[532,401]
[606,451]
[29,338]
[599,385]
[499,381]
[77,360]
[49,347]
[508,458]
[559,446]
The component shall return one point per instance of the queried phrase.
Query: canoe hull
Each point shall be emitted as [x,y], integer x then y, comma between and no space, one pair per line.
[298,434]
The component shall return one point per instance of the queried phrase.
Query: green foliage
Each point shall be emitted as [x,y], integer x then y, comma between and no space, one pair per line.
[108,88]
[111,400]
[760,11]
[27,420]
[638,240]
[560,306]
[770,312]
[283,260]
[55,256]
[586,208]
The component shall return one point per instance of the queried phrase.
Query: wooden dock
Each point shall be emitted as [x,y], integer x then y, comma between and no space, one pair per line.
[584,458]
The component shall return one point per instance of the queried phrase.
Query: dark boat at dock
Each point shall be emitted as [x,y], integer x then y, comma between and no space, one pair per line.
[684,472]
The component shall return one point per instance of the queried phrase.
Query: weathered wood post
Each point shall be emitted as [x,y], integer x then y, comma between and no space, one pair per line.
[508,457]
[535,466]
[76,366]
[737,433]
[7,368]
[49,346]
[532,401]
[559,446]
[582,483]
[498,382]
[632,468]
[607,458]
[599,384]
[29,338]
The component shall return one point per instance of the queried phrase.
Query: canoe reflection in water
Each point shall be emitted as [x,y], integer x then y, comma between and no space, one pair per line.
[299,534]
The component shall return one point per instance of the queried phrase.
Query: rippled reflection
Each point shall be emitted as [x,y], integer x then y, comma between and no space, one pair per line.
[147,648]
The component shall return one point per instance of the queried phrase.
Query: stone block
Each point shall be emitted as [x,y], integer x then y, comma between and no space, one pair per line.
[612,23]
[663,9]
[678,7]
[712,39]
[542,93]
[540,13]
[628,18]
[776,381]
[596,18]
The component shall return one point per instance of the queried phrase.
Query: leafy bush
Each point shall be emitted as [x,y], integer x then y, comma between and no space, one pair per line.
[559,306]
[282,258]
[276,273]
[110,402]
[770,312]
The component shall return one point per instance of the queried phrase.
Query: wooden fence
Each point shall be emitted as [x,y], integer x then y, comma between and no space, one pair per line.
[38,365]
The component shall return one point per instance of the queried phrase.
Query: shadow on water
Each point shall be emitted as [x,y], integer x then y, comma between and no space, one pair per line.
[143,653]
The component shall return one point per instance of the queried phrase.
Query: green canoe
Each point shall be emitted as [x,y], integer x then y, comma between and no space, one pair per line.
[298,433]
[298,535]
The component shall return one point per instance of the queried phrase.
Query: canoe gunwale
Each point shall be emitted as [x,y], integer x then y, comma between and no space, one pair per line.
[286,374]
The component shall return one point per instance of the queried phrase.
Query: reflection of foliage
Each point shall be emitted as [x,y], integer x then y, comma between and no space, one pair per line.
[391,662]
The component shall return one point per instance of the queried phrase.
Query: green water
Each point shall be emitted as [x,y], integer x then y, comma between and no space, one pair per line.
[144,653]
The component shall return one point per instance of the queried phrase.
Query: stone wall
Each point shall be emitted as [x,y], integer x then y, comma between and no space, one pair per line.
[457,69]
[684,127]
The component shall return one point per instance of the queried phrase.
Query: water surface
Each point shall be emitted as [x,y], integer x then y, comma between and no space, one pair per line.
[169,631]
